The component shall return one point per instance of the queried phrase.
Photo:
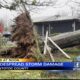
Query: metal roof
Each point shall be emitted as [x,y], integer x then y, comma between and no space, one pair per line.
[53,18]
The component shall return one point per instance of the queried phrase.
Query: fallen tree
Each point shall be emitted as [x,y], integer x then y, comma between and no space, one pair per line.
[65,40]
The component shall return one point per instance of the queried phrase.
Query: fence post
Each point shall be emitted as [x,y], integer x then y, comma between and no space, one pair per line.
[58,47]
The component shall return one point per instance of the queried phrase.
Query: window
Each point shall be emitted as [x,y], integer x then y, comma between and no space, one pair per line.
[39,29]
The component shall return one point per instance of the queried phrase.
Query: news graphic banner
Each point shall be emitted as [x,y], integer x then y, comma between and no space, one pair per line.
[37,65]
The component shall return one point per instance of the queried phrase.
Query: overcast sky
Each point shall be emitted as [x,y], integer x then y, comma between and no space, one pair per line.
[62,6]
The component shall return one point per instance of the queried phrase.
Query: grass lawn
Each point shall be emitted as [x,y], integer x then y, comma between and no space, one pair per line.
[60,57]
[20,74]
[37,74]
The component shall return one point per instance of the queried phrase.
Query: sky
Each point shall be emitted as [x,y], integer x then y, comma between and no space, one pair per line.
[6,16]
[62,6]
[50,10]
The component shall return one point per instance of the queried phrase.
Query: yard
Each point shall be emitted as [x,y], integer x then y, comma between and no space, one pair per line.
[39,74]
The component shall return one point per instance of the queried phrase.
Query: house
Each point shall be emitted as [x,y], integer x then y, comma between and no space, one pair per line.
[56,24]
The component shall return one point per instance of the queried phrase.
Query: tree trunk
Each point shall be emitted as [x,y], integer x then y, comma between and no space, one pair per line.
[65,40]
